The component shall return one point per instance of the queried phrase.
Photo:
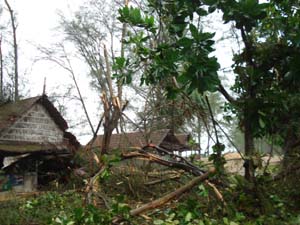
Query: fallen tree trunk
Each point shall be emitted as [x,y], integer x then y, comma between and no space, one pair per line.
[157,159]
[176,157]
[163,200]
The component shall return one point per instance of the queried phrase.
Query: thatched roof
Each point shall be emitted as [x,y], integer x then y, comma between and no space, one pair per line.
[139,139]
[183,138]
[12,111]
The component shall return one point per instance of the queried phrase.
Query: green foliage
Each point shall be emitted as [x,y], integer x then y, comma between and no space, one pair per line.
[241,208]
[9,214]
[197,207]
[246,13]
[91,215]
[38,210]
[64,209]
[267,87]
[134,16]
[184,56]
[217,158]
[267,81]
[267,84]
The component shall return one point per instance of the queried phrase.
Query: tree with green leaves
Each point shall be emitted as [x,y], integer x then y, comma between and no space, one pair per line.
[174,114]
[265,71]
[173,49]
[263,68]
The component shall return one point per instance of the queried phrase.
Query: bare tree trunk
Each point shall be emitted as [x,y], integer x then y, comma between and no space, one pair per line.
[248,110]
[290,150]
[107,124]
[108,73]
[112,114]
[113,105]
[249,149]
[14,30]
[108,107]
[188,167]
[1,70]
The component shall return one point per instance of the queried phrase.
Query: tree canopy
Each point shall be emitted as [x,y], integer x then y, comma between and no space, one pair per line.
[170,44]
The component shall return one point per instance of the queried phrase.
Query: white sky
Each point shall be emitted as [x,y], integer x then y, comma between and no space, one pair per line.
[37,25]
[37,20]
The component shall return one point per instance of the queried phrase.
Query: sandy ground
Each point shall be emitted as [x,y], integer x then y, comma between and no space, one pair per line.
[234,162]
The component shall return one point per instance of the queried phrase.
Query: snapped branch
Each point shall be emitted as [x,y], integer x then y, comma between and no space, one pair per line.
[226,95]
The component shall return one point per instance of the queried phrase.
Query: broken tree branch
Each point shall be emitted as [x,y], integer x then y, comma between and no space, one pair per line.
[157,159]
[176,157]
[175,194]
[108,72]
[90,188]
[174,177]
[226,95]
[218,194]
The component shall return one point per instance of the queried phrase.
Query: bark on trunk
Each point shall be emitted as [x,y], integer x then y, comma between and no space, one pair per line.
[15,45]
[290,150]
[249,149]
[113,105]
[106,141]
[1,70]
